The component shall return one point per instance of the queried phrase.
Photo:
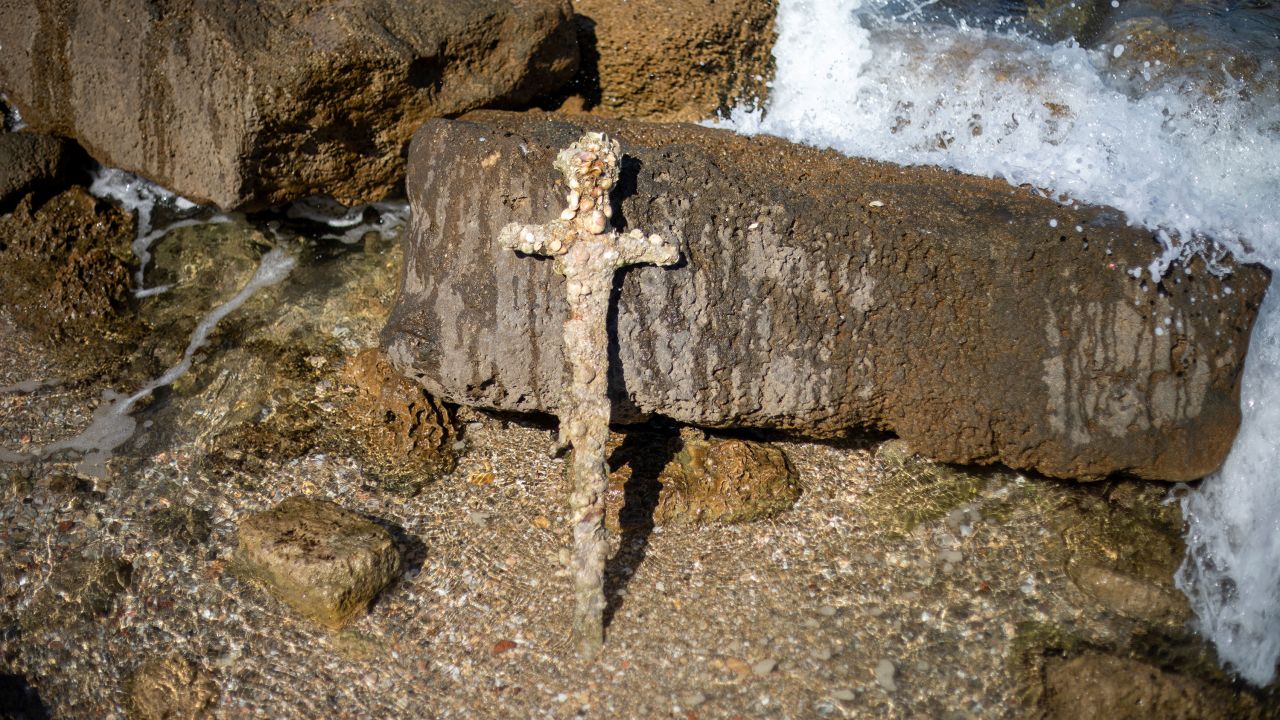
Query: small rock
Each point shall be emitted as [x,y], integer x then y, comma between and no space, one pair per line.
[78,589]
[404,422]
[170,688]
[693,699]
[885,675]
[843,694]
[323,561]
[827,611]
[822,654]
[764,667]
[738,666]
[183,523]
[728,481]
[502,646]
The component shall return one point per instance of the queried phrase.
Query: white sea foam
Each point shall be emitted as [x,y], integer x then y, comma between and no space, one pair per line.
[350,224]
[141,197]
[113,424]
[1057,117]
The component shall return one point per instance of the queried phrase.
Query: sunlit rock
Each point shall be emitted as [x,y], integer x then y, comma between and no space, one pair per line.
[979,321]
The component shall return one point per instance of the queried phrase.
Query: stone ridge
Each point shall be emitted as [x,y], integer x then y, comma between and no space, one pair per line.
[270,101]
[821,293]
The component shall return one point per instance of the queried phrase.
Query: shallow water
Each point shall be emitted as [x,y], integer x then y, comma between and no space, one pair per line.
[1191,152]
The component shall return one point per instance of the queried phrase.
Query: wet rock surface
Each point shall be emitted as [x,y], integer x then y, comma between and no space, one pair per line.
[325,562]
[1094,686]
[693,479]
[404,421]
[41,164]
[977,321]
[276,100]
[76,590]
[67,271]
[172,688]
[683,60]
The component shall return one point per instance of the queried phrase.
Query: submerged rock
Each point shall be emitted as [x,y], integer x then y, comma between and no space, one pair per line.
[664,60]
[403,420]
[66,269]
[978,321]
[277,100]
[694,479]
[326,562]
[1104,687]
[725,480]
[78,590]
[172,688]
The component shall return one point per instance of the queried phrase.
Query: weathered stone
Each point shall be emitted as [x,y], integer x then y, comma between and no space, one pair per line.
[673,60]
[31,163]
[259,103]
[185,524]
[64,274]
[725,480]
[78,590]
[403,420]
[172,688]
[1095,686]
[693,479]
[979,322]
[326,562]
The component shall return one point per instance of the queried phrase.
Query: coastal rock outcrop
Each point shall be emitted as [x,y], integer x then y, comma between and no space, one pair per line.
[682,60]
[978,321]
[274,100]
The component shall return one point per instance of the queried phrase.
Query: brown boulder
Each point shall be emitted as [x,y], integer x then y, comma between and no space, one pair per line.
[673,60]
[31,163]
[326,562]
[403,421]
[67,276]
[978,321]
[254,104]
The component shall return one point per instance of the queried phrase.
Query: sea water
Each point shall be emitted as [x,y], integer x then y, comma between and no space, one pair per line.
[1191,161]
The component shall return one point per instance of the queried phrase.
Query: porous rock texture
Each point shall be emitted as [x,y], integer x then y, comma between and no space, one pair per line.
[33,163]
[65,264]
[673,59]
[322,560]
[979,322]
[255,104]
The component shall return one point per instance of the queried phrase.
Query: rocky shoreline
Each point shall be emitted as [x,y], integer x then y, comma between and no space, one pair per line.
[345,507]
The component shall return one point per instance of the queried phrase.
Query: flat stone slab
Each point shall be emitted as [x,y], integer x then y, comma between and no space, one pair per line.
[978,321]
[258,103]
[326,562]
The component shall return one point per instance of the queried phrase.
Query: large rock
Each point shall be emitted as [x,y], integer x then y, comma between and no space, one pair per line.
[252,104]
[673,59]
[979,322]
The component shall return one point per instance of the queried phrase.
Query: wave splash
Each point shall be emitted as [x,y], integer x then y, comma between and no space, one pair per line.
[867,79]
